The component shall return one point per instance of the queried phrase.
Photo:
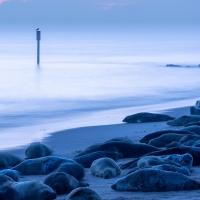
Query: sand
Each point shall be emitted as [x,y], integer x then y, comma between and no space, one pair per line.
[67,143]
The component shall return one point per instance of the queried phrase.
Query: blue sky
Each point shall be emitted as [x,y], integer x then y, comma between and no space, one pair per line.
[100,11]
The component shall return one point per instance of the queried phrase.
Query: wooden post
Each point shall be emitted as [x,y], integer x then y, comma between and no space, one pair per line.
[38,37]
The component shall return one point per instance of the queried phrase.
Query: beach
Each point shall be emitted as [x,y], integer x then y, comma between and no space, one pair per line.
[100,61]
[67,143]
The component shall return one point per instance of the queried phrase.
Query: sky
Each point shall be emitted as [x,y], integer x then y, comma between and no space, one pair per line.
[99,12]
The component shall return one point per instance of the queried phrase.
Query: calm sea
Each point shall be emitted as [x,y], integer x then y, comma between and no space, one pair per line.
[92,76]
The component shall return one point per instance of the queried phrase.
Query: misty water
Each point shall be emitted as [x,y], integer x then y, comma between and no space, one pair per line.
[92,76]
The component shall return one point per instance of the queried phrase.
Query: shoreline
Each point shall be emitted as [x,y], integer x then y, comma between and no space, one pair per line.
[67,142]
[82,137]
[22,136]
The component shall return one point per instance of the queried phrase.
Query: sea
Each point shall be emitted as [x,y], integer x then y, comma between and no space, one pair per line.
[91,76]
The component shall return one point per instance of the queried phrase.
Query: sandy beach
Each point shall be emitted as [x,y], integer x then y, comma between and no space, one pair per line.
[72,71]
[66,143]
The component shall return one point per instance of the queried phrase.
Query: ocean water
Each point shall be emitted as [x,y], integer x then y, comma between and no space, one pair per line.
[92,76]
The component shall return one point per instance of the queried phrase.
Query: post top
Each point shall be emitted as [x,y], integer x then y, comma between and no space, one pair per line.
[38,34]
